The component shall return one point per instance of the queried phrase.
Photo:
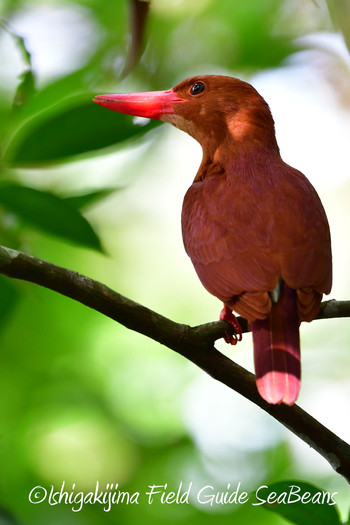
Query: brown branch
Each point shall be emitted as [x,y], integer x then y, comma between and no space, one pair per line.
[196,344]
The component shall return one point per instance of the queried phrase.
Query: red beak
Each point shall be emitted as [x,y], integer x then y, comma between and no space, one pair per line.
[150,104]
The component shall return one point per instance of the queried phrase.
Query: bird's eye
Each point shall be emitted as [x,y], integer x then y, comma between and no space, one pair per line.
[198,87]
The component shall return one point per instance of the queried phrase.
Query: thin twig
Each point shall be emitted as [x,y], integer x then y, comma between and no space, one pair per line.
[196,344]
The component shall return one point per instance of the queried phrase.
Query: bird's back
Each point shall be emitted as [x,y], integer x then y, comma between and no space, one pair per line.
[246,228]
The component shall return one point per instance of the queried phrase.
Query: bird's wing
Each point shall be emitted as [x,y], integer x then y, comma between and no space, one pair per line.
[306,260]
[242,236]
[229,243]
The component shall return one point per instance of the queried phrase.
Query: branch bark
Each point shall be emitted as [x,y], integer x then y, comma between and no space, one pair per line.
[194,343]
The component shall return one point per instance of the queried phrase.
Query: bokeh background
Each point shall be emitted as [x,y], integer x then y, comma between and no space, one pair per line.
[81,398]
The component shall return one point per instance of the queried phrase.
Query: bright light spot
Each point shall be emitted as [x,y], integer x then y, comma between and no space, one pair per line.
[312,128]
[327,401]
[59,447]
[179,7]
[61,38]
[140,121]
[221,424]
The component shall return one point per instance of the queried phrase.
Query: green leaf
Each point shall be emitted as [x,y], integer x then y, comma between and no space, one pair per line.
[52,95]
[49,213]
[340,13]
[87,199]
[25,89]
[300,503]
[73,127]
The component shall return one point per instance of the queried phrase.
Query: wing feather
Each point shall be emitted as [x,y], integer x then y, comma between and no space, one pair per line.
[243,235]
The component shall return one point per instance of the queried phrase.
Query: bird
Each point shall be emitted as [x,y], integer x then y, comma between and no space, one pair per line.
[254,227]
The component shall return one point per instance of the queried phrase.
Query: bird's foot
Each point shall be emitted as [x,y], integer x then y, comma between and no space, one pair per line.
[227,315]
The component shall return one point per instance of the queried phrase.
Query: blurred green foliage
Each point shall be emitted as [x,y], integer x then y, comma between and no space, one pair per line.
[81,399]
[46,211]
[303,510]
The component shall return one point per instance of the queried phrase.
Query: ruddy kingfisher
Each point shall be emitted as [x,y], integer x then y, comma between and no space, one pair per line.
[254,227]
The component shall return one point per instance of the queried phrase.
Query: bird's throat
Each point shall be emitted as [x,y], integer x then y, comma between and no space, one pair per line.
[182,123]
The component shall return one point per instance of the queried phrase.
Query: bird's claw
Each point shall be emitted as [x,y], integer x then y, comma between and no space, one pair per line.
[227,315]
[232,339]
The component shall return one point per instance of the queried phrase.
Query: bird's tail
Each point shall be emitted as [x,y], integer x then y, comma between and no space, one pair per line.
[277,350]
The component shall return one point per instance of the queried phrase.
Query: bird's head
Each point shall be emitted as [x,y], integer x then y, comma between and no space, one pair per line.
[210,108]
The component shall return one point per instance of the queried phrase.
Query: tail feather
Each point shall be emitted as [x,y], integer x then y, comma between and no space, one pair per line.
[277,350]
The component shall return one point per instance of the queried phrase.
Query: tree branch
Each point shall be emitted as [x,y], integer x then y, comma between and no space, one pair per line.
[194,343]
